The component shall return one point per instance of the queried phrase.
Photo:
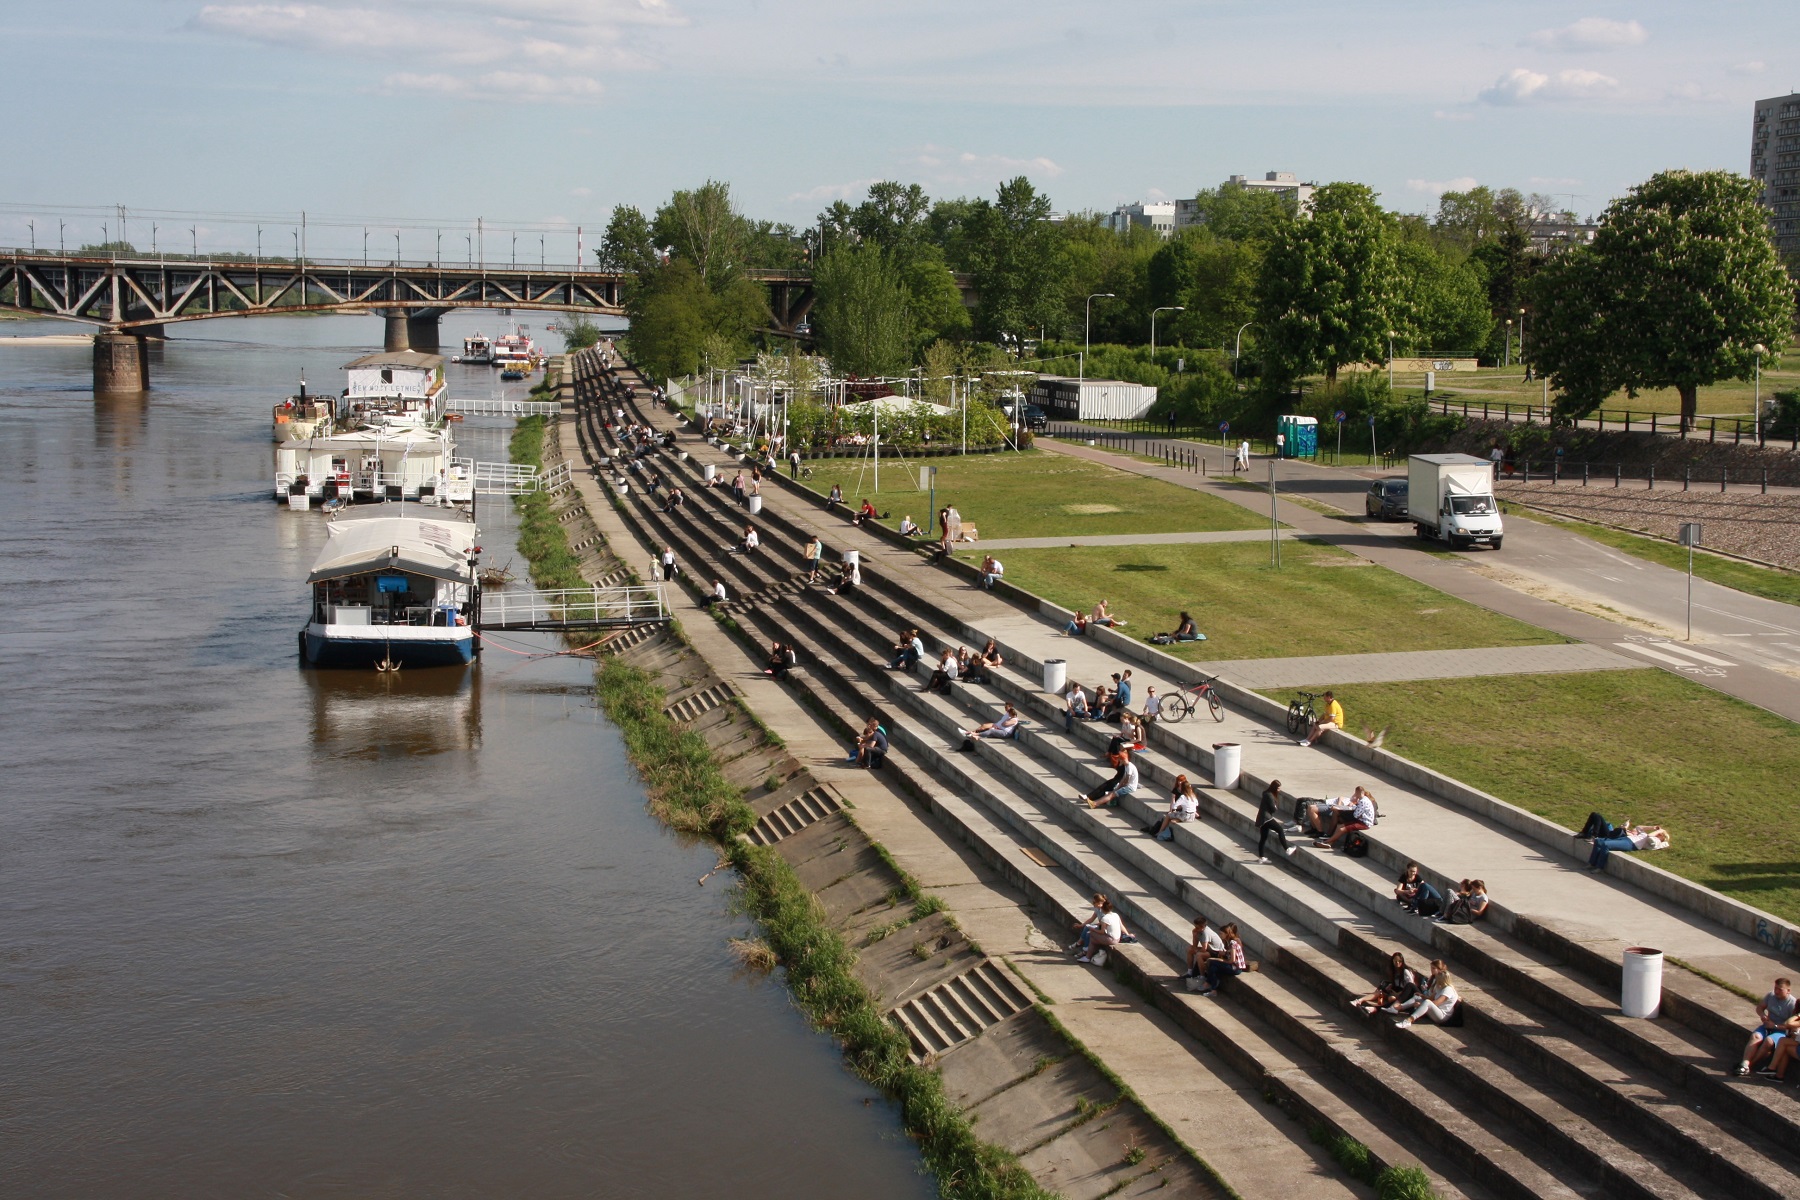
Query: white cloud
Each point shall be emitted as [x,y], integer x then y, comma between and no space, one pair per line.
[953,166]
[1454,114]
[1524,86]
[1434,187]
[1693,92]
[538,51]
[1754,67]
[1591,33]
[826,192]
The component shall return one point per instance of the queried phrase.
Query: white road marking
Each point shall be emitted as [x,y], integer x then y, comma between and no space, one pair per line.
[1660,657]
[1680,648]
[1746,620]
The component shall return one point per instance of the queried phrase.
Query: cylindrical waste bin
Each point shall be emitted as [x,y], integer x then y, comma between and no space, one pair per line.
[1056,675]
[712,472]
[755,504]
[1640,991]
[854,558]
[1228,764]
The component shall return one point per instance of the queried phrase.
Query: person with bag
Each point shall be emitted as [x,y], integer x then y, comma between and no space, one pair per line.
[1401,986]
[1108,933]
[1468,905]
[1203,944]
[1268,823]
[1085,928]
[1436,1003]
[1222,966]
[1362,816]
[1184,806]
[1415,895]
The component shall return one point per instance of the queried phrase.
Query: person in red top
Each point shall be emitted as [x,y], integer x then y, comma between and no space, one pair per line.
[865,513]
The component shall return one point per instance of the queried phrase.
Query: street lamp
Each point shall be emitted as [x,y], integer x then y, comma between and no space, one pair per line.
[1087,322]
[1760,351]
[1390,335]
[1522,343]
[1153,312]
[1507,360]
[365,245]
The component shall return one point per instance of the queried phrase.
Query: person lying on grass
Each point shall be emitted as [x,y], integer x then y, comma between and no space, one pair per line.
[1184,631]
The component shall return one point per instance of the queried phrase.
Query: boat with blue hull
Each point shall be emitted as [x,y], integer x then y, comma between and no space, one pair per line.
[391,592]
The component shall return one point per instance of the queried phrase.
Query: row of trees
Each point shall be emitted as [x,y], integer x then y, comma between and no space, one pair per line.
[1679,286]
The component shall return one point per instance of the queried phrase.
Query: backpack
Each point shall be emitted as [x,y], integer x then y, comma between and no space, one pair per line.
[1356,845]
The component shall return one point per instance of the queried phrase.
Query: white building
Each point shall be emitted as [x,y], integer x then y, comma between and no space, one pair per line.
[1071,399]
[1284,183]
[1160,216]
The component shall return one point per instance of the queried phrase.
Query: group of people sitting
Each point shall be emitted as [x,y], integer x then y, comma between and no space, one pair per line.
[1332,823]
[1101,931]
[1102,615]
[1109,703]
[1416,894]
[871,749]
[783,657]
[962,663]
[1771,1049]
[1213,956]
[1410,997]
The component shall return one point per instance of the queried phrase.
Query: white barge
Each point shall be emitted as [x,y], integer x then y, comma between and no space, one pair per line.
[373,464]
[395,389]
[394,592]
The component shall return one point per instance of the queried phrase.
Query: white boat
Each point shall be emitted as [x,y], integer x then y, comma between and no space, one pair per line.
[396,389]
[364,465]
[477,348]
[301,417]
[393,592]
[515,349]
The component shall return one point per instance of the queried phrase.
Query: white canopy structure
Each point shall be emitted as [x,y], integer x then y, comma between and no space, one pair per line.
[417,546]
[900,405]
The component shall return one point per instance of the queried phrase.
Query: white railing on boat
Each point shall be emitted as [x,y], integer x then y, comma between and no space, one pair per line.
[504,408]
[572,607]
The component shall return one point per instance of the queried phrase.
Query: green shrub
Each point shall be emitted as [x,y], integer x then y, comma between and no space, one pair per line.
[1404,1183]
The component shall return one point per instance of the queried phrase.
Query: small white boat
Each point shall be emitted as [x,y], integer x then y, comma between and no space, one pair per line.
[477,348]
[391,592]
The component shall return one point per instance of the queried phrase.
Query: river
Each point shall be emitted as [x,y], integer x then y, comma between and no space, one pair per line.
[267,931]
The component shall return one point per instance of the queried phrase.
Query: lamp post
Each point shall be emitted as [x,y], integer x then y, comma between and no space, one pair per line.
[365,245]
[1390,335]
[1153,312]
[32,225]
[1087,322]
[1760,351]
[1238,349]
[1522,343]
[1507,360]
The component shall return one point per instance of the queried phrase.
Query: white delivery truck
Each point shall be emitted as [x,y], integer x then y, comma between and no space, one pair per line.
[1450,497]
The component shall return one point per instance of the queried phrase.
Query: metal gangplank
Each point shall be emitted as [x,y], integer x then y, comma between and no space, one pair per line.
[509,478]
[573,608]
[504,408]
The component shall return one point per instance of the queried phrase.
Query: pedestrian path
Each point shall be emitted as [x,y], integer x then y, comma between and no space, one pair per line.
[1260,674]
[1130,539]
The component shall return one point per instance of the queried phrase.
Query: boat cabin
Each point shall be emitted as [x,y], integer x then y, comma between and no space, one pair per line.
[384,463]
[398,387]
[400,590]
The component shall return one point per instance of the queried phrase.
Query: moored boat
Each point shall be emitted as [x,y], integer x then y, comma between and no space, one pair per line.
[395,389]
[477,348]
[394,592]
[373,464]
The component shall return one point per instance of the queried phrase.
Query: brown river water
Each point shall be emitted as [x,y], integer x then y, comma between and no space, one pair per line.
[267,931]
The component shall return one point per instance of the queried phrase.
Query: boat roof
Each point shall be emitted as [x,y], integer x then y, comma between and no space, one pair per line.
[415,360]
[387,435]
[416,545]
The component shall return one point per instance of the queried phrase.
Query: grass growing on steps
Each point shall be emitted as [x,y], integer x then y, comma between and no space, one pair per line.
[689,791]
[541,540]
[1321,601]
[1033,494]
[1641,745]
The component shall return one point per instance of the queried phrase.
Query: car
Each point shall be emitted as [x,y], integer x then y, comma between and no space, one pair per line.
[1036,419]
[1386,500]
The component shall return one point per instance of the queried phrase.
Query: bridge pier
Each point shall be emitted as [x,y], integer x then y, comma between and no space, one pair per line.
[121,363]
[416,330]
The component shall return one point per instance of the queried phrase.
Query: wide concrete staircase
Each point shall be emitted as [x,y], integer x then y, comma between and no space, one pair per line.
[1544,1091]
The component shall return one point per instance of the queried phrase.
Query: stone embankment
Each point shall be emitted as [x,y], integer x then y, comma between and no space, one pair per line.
[1543,1090]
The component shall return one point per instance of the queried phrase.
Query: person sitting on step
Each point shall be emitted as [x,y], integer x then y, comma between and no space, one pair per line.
[1075,706]
[1006,727]
[779,660]
[1436,1002]
[1123,783]
[1077,626]
[751,540]
[864,515]
[675,500]
[1226,964]
[990,655]
[907,651]
[1361,817]
[968,666]
[1103,616]
[718,594]
[1401,987]
[908,528]
[944,674]
[991,570]
[1184,805]
[1469,904]
[849,576]
[1108,933]
[837,495]
[1203,944]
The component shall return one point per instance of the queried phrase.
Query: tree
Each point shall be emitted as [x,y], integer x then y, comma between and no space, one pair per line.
[1212,278]
[578,333]
[1328,289]
[1244,214]
[702,227]
[893,216]
[627,244]
[937,305]
[1016,256]
[669,312]
[1441,306]
[863,312]
[1679,284]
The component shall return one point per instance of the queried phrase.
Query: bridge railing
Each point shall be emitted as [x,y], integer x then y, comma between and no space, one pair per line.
[573,607]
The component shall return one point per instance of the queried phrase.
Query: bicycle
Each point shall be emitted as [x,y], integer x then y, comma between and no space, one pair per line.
[1182,702]
[1301,714]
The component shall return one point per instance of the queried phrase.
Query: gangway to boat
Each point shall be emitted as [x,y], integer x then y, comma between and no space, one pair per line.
[513,479]
[504,408]
[572,608]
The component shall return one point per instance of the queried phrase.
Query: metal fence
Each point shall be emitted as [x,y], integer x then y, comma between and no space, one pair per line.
[1590,474]
[1736,430]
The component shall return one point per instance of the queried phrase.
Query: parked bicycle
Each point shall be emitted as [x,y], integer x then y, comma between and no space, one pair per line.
[1182,702]
[1301,714]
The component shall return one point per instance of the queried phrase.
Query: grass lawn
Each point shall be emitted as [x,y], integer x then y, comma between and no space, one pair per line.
[1643,745]
[1731,397]
[1771,583]
[1034,494]
[1321,601]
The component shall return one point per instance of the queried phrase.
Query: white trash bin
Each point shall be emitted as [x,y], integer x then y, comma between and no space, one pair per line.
[1640,991]
[755,505]
[712,472]
[1056,675]
[854,558]
[1228,764]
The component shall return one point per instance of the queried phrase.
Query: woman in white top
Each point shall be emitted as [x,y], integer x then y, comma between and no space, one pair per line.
[1084,928]
[1184,805]
[851,578]
[1109,933]
[1436,1002]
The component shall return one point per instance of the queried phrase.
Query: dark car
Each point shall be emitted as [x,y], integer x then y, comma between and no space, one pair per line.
[1386,500]
[1035,418]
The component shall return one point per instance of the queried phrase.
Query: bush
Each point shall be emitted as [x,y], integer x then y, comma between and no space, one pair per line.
[1404,1183]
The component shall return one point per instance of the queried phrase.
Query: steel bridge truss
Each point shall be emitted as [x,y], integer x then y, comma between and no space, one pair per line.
[128,294]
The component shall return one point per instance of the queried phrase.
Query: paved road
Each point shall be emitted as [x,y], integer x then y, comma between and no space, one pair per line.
[1548,575]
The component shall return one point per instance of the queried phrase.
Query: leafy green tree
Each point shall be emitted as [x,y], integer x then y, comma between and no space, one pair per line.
[863,314]
[893,216]
[1018,262]
[937,305]
[628,244]
[948,226]
[702,227]
[1441,306]
[773,245]
[669,319]
[1212,278]
[1242,214]
[1328,292]
[1679,284]
[578,333]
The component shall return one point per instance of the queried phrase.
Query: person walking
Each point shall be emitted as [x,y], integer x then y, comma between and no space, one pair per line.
[794,464]
[1243,458]
[668,563]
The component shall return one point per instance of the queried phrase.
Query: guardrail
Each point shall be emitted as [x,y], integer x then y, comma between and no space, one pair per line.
[504,408]
[1737,429]
[572,608]
[1592,474]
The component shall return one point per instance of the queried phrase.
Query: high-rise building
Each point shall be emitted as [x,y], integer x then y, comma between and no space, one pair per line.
[1775,163]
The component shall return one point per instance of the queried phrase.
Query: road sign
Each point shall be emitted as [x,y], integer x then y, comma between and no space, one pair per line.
[1340,416]
[1690,533]
[1224,426]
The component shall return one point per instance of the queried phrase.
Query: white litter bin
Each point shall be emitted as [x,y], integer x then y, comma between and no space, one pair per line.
[1056,675]
[755,504]
[1641,988]
[1228,764]
[712,472]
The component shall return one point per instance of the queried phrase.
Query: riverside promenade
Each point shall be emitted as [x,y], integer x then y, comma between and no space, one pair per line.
[1543,958]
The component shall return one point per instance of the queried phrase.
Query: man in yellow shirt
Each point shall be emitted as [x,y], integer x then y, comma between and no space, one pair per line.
[1330,717]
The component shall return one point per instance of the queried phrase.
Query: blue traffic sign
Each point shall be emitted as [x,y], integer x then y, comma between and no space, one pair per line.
[1224,426]
[1340,416]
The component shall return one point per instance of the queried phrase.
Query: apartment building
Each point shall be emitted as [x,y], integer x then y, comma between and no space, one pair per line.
[1775,163]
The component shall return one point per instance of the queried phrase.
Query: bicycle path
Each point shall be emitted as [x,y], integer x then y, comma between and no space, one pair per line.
[1264,673]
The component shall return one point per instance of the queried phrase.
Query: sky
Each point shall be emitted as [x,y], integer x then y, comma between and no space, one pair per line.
[537,116]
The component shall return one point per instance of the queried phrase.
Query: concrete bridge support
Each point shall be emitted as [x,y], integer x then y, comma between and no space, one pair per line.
[412,330]
[121,363]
